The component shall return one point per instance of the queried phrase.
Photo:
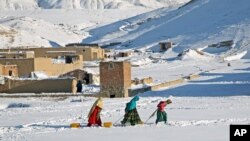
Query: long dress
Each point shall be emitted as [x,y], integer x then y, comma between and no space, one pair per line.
[94,117]
[132,117]
[161,114]
[131,114]
[94,113]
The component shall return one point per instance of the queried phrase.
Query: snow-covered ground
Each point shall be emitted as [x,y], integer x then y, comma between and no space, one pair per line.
[189,118]
[202,109]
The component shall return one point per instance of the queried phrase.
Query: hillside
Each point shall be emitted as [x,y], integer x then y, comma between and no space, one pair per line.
[18,5]
[24,31]
[197,24]
[86,4]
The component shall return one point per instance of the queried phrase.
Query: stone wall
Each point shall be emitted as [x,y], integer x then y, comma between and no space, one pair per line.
[167,84]
[39,86]
[147,80]
[193,76]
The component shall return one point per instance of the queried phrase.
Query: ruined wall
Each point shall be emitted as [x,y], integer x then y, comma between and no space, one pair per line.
[193,76]
[147,80]
[39,86]
[167,84]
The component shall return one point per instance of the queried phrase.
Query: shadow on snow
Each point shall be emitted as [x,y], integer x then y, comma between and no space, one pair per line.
[220,84]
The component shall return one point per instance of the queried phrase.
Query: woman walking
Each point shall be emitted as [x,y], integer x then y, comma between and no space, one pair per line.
[161,114]
[131,115]
[94,113]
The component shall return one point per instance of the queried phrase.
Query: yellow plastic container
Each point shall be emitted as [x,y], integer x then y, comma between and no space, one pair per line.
[75,125]
[107,124]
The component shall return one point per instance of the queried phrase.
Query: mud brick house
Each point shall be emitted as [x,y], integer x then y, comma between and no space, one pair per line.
[165,45]
[85,77]
[9,70]
[88,52]
[26,63]
[115,79]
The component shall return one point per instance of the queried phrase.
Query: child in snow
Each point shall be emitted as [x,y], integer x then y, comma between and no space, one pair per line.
[94,113]
[161,114]
[131,114]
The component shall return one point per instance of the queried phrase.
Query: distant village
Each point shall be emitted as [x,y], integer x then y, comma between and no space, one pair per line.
[58,70]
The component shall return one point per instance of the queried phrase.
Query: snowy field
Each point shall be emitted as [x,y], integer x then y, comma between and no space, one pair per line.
[189,118]
[202,109]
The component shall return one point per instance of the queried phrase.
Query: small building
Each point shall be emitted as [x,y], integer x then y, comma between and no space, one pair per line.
[9,70]
[51,66]
[124,54]
[89,52]
[165,45]
[85,77]
[115,79]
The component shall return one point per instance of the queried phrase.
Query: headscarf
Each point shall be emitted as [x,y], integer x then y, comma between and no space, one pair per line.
[132,104]
[98,103]
[136,98]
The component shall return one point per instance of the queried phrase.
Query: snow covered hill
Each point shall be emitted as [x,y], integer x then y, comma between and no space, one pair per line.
[56,26]
[24,31]
[197,24]
[86,4]
[39,22]
[10,37]
[18,4]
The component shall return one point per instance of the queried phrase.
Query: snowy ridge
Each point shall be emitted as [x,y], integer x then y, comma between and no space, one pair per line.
[196,55]
[86,4]
[190,26]
[236,56]
[10,37]
[30,32]
[18,5]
